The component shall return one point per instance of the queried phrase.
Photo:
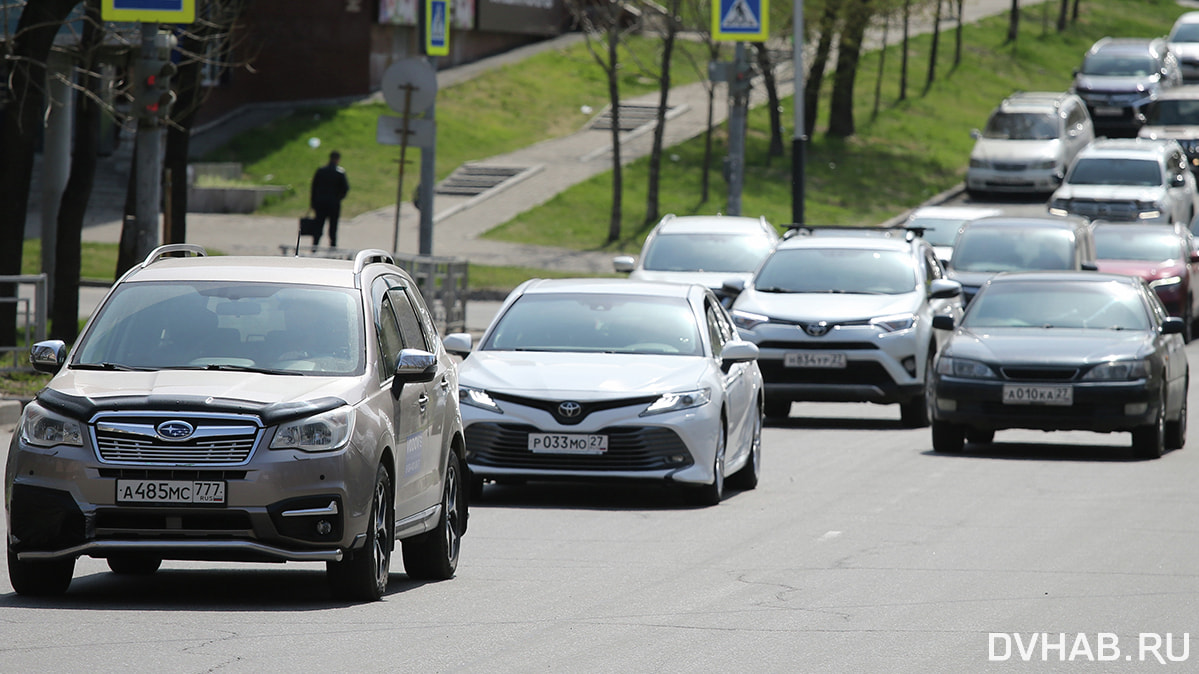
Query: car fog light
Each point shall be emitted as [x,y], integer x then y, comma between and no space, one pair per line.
[1132,409]
[947,404]
[678,458]
[909,364]
[323,527]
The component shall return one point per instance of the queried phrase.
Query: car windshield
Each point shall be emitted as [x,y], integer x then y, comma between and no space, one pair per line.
[283,328]
[938,231]
[1118,65]
[1114,171]
[1173,112]
[1133,243]
[1185,32]
[606,323]
[837,270]
[1091,305]
[706,252]
[994,249]
[1021,126]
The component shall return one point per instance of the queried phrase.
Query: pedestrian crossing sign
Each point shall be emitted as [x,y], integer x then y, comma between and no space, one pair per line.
[149,11]
[740,20]
[437,27]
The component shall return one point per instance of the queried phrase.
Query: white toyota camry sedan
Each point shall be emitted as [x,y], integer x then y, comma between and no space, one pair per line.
[615,380]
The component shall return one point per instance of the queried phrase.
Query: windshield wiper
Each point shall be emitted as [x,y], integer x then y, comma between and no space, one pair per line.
[111,366]
[248,368]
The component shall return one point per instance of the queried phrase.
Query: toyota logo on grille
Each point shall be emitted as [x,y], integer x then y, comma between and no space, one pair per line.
[570,409]
[175,430]
[817,329]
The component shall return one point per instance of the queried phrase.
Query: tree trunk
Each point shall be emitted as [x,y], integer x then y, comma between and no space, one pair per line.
[1074,16]
[68,254]
[655,155]
[183,114]
[882,63]
[1063,12]
[957,45]
[614,98]
[706,178]
[772,96]
[20,126]
[849,48]
[932,52]
[1013,26]
[903,60]
[811,97]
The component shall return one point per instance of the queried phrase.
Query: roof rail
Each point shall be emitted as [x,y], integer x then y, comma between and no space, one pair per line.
[168,250]
[910,231]
[369,256]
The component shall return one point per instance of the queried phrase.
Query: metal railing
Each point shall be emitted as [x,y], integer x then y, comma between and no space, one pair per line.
[31,319]
[443,281]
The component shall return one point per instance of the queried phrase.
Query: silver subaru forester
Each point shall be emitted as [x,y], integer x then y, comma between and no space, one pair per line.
[243,409]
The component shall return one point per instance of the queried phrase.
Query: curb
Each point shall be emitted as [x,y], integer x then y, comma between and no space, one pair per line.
[10,411]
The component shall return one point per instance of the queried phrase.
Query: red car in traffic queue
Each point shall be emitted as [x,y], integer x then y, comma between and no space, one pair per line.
[1163,255]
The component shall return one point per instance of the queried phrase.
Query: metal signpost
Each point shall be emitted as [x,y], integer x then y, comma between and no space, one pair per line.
[740,21]
[409,87]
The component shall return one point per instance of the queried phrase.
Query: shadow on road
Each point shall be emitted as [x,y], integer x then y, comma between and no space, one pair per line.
[1026,451]
[587,496]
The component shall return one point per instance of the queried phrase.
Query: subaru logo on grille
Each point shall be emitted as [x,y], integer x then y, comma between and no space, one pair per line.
[817,329]
[570,409]
[175,430]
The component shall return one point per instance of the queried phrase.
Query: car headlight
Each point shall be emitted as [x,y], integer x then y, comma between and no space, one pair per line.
[1167,283]
[748,321]
[43,428]
[1118,370]
[979,163]
[1059,207]
[894,323]
[477,397]
[324,432]
[962,367]
[673,402]
[1149,210]
[1046,164]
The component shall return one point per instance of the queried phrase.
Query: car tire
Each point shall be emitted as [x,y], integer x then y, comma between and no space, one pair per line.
[778,408]
[434,555]
[948,438]
[747,478]
[918,412]
[363,575]
[980,436]
[134,565]
[1176,431]
[1149,441]
[40,579]
[712,494]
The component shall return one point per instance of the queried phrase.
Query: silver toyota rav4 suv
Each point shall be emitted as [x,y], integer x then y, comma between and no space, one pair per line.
[243,409]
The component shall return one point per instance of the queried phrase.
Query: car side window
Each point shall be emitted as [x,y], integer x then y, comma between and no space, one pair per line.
[411,330]
[932,268]
[388,331]
[717,332]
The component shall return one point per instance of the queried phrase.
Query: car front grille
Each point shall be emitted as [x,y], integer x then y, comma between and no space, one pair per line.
[216,440]
[858,373]
[630,448]
[1096,209]
[1039,373]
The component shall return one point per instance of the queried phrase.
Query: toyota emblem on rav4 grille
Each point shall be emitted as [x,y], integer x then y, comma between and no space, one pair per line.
[570,409]
[817,329]
[175,430]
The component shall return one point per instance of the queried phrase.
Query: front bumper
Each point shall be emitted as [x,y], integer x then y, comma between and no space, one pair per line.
[1103,407]
[1014,181]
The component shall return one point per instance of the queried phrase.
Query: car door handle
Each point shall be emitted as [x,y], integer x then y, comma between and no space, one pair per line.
[423,401]
[445,383]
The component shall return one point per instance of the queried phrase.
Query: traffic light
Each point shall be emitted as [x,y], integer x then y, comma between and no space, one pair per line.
[153,96]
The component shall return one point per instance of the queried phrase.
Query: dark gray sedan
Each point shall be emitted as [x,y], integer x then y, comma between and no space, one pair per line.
[1058,351]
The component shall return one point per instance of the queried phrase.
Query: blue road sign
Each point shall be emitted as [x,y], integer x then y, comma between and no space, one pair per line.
[149,11]
[437,30]
[740,20]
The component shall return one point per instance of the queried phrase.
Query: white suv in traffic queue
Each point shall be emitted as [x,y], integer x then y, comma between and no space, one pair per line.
[846,318]
[234,408]
[1129,180]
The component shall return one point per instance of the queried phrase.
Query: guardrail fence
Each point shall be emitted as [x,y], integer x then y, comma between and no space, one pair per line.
[31,319]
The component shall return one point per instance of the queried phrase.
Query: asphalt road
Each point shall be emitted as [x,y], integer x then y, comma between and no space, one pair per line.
[860,551]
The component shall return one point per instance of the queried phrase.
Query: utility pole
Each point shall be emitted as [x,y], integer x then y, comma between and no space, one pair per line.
[798,137]
[152,101]
[739,87]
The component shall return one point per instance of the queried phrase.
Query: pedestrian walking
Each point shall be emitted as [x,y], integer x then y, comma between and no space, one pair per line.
[329,187]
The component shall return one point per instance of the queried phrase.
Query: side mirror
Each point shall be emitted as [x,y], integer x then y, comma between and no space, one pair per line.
[941,289]
[1089,266]
[732,287]
[739,351]
[943,322]
[458,343]
[414,366]
[1193,257]
[48,356]
[624,263]
[1172,326]
[975,134]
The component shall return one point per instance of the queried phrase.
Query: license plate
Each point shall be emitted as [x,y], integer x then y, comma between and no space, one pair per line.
[1108,111]
[171,491]
[804,359]
[1038,395]
[567,443]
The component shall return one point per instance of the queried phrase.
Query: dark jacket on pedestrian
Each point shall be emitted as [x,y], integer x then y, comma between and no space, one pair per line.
[329,187]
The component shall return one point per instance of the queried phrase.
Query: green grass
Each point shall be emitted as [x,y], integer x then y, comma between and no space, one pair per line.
[476,119]
[913,150]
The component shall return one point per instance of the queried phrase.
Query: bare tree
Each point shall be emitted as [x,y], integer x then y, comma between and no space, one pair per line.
[903,61]
[1062,13]
[603,29]
[24,106]
[932,51]
[957,41]
[766,68]
[849,49]
[669,29]
[827,28]
[1013,25]
[882,63]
